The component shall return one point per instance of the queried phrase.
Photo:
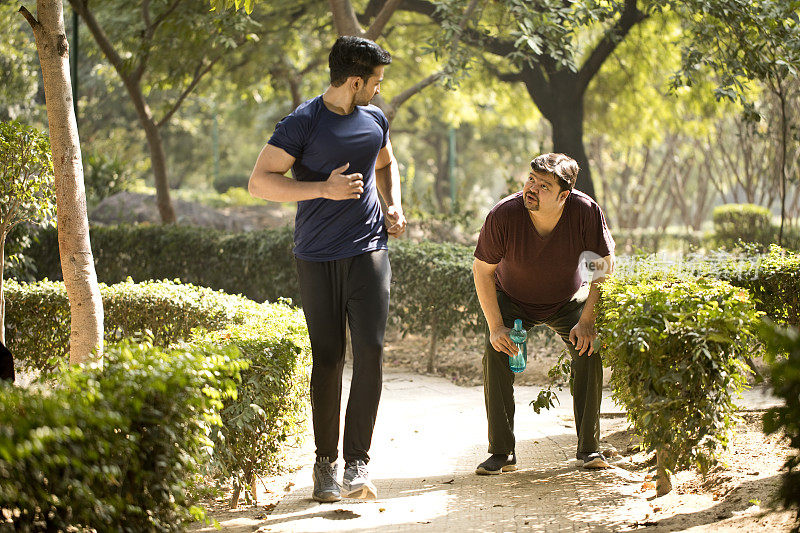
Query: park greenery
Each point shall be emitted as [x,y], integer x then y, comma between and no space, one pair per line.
[26,175]
[684,117]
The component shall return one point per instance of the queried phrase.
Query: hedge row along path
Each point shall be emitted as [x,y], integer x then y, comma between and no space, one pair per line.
[430,436]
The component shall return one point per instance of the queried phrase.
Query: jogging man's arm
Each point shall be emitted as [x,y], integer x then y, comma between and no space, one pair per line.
[387,179]
[268,180]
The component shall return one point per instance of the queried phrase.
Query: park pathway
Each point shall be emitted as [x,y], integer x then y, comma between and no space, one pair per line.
[429,438]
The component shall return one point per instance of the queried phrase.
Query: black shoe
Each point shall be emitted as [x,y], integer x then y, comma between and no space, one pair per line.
[592,460]
[498,462]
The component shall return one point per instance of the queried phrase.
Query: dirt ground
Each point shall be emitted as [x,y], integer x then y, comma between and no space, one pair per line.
[738,495]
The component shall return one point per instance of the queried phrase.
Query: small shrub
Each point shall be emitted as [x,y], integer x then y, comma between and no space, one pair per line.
[117,445]
[39,323]
[784,344]
[773,280]
[676,344]
[269,411]
[746,222]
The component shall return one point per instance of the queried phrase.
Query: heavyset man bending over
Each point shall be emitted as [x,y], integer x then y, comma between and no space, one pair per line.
[528,266]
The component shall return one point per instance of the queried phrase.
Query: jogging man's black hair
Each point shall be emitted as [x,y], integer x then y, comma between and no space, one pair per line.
[355,56]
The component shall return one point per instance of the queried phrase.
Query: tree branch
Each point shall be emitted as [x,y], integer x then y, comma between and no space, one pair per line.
[35,24]
[344,18]
[149,32]
[509,77]
[386,12]
[102,39]
[631,15]
[199,72]
[401,98]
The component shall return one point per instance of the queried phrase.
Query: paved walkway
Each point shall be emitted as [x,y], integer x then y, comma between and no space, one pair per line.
[429,438]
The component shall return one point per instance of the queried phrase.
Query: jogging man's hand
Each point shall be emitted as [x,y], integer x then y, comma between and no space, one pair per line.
[395,221]
[340,186]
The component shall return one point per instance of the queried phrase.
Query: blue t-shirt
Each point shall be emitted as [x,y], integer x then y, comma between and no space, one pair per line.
[321,141]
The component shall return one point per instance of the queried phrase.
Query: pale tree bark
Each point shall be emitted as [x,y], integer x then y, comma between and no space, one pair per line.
[77,264]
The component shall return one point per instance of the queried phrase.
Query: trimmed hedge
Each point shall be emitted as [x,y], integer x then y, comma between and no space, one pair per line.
[432,289]
[677,345]
[114,446]
[258,265]
[38,323]
[742,222]
[269,409]
[772,278]
[652,240]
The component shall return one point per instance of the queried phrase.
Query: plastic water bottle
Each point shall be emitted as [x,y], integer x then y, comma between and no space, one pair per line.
[518,335]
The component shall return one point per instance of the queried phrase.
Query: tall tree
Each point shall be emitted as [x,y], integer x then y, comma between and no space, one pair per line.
[75,251]
[542,45]
[163,47]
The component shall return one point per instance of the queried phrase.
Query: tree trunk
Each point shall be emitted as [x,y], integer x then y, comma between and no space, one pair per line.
[663,479]
[784,141]
[158,162]
[234,503]
[151,127]
[77,264]
[249,476]
[567,123]
[432,347]
[254,488]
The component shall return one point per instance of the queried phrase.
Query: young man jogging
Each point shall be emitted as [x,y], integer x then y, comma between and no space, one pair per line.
[337,146]
[528,266]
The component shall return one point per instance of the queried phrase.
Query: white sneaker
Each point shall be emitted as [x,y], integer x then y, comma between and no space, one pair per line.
[356,483]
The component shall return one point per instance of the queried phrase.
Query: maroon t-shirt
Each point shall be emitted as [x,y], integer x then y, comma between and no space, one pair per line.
[542,274]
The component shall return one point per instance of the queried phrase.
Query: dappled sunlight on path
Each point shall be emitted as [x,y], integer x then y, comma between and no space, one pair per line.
[430,437]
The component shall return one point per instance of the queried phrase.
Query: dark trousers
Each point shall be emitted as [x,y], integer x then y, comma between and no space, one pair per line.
[498,380]
[6,364]
[353,290]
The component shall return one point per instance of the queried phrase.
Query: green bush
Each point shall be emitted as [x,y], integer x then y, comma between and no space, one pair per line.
[676,345]
[258,265]
[746,222]
[269,408]
[116,446]
[786,418]
[38,322]
[772,279]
